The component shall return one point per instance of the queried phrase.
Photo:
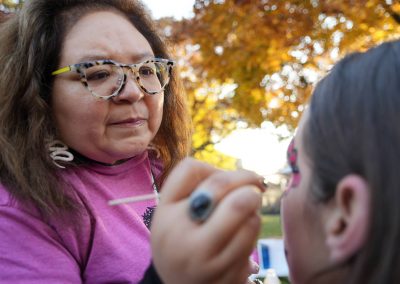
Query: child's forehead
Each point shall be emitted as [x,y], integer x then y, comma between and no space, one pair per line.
[298,136]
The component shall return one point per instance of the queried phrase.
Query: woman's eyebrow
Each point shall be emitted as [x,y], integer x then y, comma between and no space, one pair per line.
[92,57]
[139,57]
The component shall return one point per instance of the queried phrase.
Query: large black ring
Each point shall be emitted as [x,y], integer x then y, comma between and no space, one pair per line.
[201,205]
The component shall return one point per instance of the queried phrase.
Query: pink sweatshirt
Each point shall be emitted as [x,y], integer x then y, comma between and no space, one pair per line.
[110,244]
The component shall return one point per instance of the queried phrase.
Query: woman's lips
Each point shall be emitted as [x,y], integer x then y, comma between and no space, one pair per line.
[131,122]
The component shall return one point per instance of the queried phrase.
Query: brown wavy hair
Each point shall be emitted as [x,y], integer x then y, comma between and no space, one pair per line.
[31,42]
[353,128]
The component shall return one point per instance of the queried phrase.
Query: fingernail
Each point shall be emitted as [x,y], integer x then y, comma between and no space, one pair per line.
[264,184]
[201,205]
[255,268]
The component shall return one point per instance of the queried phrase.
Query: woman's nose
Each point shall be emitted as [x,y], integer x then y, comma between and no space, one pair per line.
[131,91]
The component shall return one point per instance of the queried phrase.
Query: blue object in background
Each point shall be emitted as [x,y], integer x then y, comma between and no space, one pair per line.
[266,261]
[271,254]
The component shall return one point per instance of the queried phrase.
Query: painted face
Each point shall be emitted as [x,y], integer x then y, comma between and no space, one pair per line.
[105,130]
[302,227]
[292,160]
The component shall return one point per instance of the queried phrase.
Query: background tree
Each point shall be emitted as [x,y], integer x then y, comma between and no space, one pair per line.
[248,61]
[257,60]
[10,5]
[272,49]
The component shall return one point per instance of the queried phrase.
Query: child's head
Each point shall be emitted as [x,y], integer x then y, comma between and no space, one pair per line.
[341,216]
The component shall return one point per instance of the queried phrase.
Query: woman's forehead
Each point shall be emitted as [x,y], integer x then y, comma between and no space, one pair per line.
[105,34]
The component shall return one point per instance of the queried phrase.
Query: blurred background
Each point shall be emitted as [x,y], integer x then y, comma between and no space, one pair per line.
[249,67]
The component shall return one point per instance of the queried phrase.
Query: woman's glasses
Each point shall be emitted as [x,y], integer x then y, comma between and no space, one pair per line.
[106,78]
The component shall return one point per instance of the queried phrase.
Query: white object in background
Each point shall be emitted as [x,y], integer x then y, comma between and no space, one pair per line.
[271,277]
[271,254]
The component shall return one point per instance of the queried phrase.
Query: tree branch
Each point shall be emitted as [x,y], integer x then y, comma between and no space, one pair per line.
[395,16]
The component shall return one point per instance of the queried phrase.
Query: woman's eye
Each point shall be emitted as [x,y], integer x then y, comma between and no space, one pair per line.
[98,75]
[146,71]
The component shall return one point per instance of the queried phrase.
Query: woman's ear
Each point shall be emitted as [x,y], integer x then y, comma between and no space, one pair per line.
[347,224]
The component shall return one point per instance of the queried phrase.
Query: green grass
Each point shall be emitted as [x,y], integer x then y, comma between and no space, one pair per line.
[271,227]
[284,281]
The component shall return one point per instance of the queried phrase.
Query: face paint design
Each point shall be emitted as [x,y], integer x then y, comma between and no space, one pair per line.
[292,160]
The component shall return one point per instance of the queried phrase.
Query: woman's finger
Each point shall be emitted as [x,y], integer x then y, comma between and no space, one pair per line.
[230,216]
[242,243]
[216,187]
[184,178]
[237,273]
[221,183]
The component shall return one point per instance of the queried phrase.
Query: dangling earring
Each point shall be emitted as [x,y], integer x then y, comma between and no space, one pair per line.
[59,152]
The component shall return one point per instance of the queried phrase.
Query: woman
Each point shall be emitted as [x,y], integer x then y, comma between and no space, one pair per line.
[95,77]
[91,112]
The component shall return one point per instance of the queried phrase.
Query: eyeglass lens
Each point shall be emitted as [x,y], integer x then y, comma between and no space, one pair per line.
[104,80]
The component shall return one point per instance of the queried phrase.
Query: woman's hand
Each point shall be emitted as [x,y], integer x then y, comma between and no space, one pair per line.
[217,249]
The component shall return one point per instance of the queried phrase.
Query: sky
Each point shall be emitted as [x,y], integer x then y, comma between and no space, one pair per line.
[259,150]
[166,8]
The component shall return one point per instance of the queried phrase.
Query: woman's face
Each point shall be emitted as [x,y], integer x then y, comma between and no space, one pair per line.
[105,130]
[302,218]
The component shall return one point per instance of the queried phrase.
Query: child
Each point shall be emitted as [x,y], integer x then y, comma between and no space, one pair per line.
[340,213]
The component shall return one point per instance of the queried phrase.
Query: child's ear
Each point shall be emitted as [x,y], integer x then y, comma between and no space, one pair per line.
[347,224]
